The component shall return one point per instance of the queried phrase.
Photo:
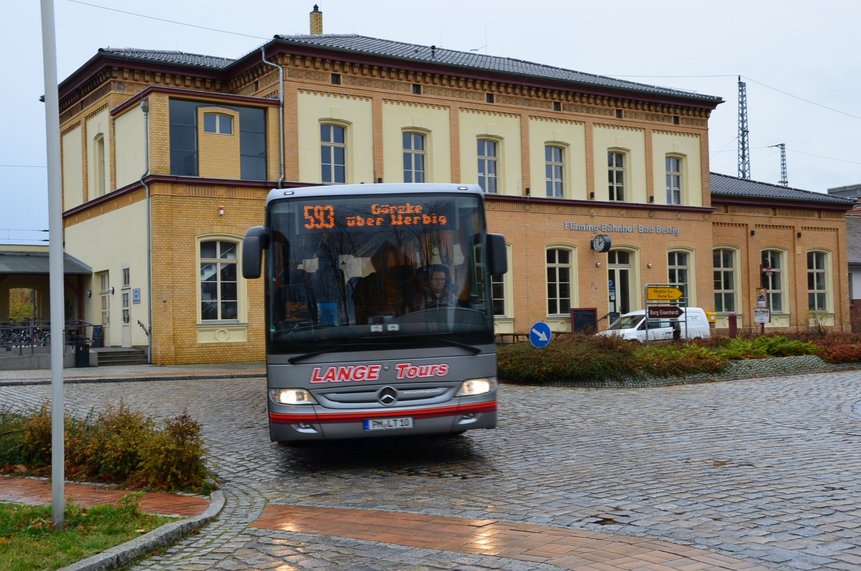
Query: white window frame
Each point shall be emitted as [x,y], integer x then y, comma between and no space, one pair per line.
[222,123]
[554,170]
[412,156]
[502,284]
[616,175]
[773,280]
[487,152]
[329,170]
[219,261]
[674,165]
[556,301]
[818,283]
[731,293]
[674,268]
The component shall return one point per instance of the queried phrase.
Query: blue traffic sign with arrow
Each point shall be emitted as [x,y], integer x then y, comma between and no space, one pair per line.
[539,335]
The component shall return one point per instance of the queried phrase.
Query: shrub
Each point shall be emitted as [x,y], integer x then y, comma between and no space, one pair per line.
[763,347]
[173,458]
[570,358]
[117,446]
[11,438]
[108,448]
[840,347]
[36,444]
[676,359]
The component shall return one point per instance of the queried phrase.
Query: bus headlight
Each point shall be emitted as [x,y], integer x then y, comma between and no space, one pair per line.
[472,387]
[291,396]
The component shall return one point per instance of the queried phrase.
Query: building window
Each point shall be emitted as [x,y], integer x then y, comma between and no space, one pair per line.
[817,288]
[487,165]
[333,153]
[414,157]
[497,290]
[126,296]
[336,79]
[724,280]
[553,171]
[219,123]
[104,300]
[677,268]
[99,164]
[674,180]
[772,278]
[417,89]
[184,152]
[616,175]
[558,281]
[218,281]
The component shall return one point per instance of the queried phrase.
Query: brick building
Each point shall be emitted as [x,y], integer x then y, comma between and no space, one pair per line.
[167,158]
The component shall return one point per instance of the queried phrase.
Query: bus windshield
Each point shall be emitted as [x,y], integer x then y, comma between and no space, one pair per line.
[344,272]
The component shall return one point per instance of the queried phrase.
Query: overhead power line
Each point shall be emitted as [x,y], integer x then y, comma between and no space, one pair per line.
[178,23]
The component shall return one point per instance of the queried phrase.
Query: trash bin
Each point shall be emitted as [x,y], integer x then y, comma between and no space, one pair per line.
[82,355]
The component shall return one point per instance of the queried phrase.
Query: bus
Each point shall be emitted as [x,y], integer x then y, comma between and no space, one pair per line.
[378,310]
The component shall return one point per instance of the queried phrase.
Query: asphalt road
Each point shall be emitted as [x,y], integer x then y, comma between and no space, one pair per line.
[765,470]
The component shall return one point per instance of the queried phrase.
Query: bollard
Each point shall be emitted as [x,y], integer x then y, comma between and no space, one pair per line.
[732,321]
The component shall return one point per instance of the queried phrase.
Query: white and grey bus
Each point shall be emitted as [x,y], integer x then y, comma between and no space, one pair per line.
[379,315]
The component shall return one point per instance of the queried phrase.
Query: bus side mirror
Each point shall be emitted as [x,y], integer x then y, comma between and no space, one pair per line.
[255,240]
[497,258]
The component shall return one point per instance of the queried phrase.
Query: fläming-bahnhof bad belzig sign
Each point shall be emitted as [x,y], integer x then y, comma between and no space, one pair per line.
[623,228]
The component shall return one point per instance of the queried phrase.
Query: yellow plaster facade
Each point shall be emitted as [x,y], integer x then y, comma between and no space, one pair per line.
[376,101]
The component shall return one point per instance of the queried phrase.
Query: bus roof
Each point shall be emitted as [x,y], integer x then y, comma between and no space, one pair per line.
[371,188]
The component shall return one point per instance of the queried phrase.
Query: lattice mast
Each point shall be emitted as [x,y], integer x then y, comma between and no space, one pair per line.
[743,140]
[783,178]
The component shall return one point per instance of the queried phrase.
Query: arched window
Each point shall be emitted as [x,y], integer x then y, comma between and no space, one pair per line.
[674,179]
[99,172]
[414,156]
[554,170]
[333,153]
[772,278]
[488,165]
[219,291]
[558,281]
[616,175]
[724,279]
[817,281]
[678,268]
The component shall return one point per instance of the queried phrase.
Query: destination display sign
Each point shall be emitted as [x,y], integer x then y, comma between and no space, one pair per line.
[325,216]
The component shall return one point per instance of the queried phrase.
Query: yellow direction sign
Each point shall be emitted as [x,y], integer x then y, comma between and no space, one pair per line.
[663,293]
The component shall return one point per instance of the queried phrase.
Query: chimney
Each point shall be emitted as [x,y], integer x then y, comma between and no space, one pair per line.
[316,22]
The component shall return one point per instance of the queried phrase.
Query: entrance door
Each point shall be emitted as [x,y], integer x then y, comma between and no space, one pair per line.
[127,309]
[619,281]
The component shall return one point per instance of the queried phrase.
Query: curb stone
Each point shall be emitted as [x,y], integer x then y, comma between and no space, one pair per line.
[163,536]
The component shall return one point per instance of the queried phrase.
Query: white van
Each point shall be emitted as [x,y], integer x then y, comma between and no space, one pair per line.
[692,324]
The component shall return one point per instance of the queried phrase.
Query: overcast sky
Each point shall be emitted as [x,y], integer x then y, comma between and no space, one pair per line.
[797,58]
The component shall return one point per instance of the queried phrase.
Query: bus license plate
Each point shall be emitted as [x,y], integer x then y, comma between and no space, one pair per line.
[388,423]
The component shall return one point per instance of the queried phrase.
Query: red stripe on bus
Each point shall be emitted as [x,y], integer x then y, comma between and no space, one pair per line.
[289,418]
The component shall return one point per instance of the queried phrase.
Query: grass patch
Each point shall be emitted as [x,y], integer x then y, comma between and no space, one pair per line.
[28,540]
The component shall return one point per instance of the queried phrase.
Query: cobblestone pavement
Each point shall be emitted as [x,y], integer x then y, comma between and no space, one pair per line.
[766,471]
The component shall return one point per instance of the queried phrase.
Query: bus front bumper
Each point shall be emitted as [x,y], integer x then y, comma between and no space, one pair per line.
[290,424]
